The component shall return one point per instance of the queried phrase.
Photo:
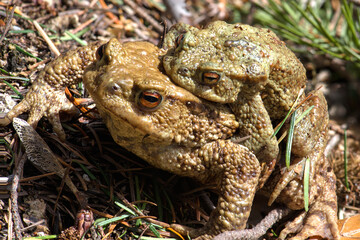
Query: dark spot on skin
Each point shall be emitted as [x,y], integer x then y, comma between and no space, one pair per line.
[213,115]
[166,58]
[228,43]
[195,107]
[145,136]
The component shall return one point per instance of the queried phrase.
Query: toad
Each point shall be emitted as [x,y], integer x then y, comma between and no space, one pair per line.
[164,124]
[173,130]
[253,72]
[247,67]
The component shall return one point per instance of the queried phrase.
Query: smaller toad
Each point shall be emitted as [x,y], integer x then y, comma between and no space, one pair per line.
[247,67]
[253,72]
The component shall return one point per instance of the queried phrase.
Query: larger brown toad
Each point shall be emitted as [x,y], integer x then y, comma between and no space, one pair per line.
[259,77]
[164,124]
[173,130]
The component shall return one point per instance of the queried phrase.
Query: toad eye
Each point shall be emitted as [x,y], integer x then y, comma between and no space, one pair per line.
[179,40]
[149,99]
[210,78]
[100,52]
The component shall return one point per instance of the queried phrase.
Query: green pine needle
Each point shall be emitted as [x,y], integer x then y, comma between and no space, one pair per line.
[122,206]
[287,115]
[73,36]
[12,87]
[339,38]
[111,220]
[290,139]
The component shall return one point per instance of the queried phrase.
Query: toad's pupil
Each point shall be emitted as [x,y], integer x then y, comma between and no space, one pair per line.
[115,87]
[210,77]
[151,99]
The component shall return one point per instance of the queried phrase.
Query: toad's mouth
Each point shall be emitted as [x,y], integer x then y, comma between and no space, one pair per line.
[130,123]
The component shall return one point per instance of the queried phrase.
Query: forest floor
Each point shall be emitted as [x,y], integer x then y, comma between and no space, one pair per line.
[115,181]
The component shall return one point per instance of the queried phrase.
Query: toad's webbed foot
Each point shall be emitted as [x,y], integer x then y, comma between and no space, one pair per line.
[42,101]
[310,224]
[292,173]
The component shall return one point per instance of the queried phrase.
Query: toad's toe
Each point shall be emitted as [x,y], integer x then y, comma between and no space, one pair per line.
[203,233]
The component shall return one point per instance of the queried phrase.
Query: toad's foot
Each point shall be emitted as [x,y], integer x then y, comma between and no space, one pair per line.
[203,233]
[42,100]
[312,224]
[292,173]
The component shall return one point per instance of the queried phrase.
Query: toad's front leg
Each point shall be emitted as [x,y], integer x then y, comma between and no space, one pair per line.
[46,95]
[254,121]
[236,171]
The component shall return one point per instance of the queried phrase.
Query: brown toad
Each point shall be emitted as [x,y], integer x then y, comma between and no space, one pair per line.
[259,77]
[173,130]
[164,124]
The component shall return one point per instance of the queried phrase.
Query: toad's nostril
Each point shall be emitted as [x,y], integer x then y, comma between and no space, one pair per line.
[183,71]
[122,85]
[115,87]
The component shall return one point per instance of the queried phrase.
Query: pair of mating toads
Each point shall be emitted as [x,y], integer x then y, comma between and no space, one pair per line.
[229,82]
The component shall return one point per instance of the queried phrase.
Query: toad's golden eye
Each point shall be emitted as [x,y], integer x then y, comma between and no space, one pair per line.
[100,52]
[179,39]
[210,78]
[150,99]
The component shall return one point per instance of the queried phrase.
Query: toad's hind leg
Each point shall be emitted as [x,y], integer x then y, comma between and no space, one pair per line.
[309,140]
[237,171]
[321,219]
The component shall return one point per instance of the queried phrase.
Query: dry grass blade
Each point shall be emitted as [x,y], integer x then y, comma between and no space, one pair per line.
[52,46]
[8,23]
[346,160]
[306,183]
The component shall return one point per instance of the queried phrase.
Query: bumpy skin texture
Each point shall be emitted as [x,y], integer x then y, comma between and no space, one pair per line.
[187,135]
[309,143]
[46,96]
[258,75]
[253,71]
[180,133]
